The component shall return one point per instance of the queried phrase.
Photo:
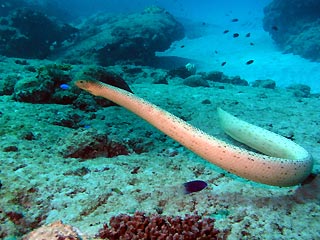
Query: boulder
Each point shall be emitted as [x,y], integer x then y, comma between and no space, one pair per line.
[26,33]
[110,39]
[295,26]
[268,83]
[196,81]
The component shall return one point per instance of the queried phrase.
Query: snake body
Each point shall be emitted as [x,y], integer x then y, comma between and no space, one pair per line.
[286,163]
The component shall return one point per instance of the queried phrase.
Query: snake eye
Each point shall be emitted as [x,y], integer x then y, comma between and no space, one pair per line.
[82,82]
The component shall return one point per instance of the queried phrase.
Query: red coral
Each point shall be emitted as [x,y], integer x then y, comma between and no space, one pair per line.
[140,226]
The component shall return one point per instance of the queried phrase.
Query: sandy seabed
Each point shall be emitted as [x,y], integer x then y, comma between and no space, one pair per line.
[40,183]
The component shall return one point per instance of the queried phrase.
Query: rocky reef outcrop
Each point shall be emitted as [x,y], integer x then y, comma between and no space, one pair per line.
[27,33]
[110,39]
[295,26]
[51,8]
[104,39]
[53,83]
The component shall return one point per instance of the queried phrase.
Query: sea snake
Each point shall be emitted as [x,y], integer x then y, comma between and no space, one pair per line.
[287,163]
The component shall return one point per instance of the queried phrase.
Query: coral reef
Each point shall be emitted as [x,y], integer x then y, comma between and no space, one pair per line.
[294,26]
[52,83]
[44,86]
[140,226]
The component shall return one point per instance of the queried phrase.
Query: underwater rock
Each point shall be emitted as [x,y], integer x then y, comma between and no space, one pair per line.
[110,39]
[52,83]
[21,62]
[10,5]
[103,75]
[300,90]
[69,120]
[51,8]
[268,83]
[89,144]
[237,81]
[295,26]
[32,90]
[7,86]
[309,191]
[29,136]
[159,76]
[181,72]
[217,76]
[26,33]
[44,87]
[196,81]
[160,79]
[88,102]
[11,148]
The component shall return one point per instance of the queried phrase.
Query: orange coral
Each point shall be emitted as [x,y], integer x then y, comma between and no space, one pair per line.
[54,231]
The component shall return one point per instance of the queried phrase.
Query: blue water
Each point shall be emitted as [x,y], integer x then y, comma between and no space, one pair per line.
[205,10]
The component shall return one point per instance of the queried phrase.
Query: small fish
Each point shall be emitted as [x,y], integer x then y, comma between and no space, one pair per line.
[275,28]
[225,31]
[223,63]
[235,35]
[65,86]
[235,20]
[194,186]
[248,35]
[182,46]
[251,44]
[249,62]
[117,190]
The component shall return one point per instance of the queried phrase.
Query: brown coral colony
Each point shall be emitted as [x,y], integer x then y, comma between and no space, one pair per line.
[140,226]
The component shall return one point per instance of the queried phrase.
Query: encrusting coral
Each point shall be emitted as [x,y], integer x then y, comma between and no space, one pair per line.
[140,226]
[56,230]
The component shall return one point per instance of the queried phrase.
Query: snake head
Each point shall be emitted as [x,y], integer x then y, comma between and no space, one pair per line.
[83,84]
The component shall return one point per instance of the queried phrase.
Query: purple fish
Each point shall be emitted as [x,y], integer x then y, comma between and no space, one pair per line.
[194,186]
